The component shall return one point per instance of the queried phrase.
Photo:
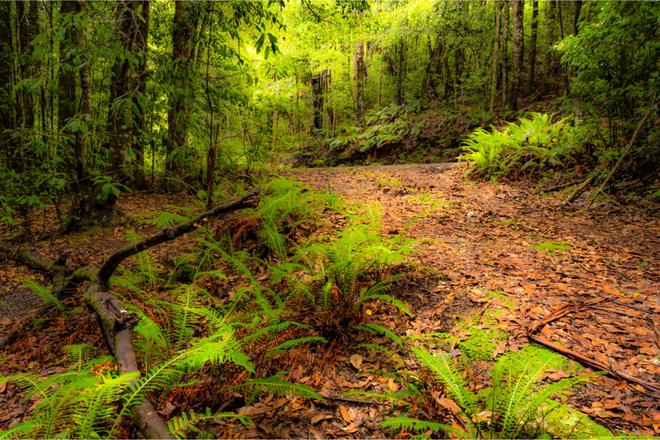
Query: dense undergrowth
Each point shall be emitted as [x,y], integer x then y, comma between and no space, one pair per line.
[218,325]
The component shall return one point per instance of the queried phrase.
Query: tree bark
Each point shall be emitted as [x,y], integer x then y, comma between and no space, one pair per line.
[495,59]
[6,81]
[139,97]
[506,66]
[178,116]
[532,47]
[67,91]
[122,92]
[360,80]
[317,100]
[551,35]
[517,53]
[27,27]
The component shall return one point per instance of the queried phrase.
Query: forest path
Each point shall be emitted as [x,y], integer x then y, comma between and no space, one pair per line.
[497,247]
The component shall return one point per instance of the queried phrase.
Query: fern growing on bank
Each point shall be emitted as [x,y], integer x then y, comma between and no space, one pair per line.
[534,143]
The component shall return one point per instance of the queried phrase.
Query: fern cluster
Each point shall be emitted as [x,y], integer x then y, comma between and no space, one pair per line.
[533,144]
[514,400]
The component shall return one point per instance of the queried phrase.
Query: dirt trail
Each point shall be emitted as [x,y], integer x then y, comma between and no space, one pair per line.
[474,239]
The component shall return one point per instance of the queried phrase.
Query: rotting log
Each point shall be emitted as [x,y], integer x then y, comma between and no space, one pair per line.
[113,261]
[115,322]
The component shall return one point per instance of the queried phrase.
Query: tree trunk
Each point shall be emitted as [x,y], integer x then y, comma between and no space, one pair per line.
[67,92]
[140,98]
[495,60]
[27,28]
[317,100]
[576,15]
[360,80]
[400,71]
[517,53]
[178,116]
[122,92]
[532,48]
[6,80]
[506,65]
[551,33]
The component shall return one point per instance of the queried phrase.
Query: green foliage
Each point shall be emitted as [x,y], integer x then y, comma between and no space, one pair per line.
[348,273]
[481,344]
[415,425]
[181,425]
[518,396]
[276,386]
[552,247]
[73,404]
[533,144]
[45,294]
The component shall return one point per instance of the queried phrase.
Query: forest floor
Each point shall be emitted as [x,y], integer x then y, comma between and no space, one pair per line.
[490,256]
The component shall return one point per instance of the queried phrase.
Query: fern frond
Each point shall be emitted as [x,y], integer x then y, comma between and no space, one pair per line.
[444,370]
[292,343]
[43,293]
[379,329]
[275,385]
[416,425]
[181,425]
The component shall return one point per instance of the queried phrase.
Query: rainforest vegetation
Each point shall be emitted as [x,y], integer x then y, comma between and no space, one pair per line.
[329,218]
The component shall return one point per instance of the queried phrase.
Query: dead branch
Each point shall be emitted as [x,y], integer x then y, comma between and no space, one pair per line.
[113,261]
[617,374]
[563,311]
[579,189]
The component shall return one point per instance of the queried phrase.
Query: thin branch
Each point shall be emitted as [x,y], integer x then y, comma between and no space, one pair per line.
[113,261]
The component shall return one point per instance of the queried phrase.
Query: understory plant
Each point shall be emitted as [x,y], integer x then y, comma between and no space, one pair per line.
[512,407]
[531,145]
[349,272]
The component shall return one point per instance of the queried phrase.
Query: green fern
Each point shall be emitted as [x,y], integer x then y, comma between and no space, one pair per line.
[275,385]
[379,329]
[443,367]
[188,422]
[293,342]
[43,293]
[416,425]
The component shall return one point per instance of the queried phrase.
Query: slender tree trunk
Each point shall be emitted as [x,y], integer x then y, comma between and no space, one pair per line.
[495,60]
[517,52]
[140,96]
[576,15]
[551,34]
[532,47]
[27,28]
[506,65]
[317,100]
[360,81]
[178,117]
[66,87]
[6,80]
[400,71]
